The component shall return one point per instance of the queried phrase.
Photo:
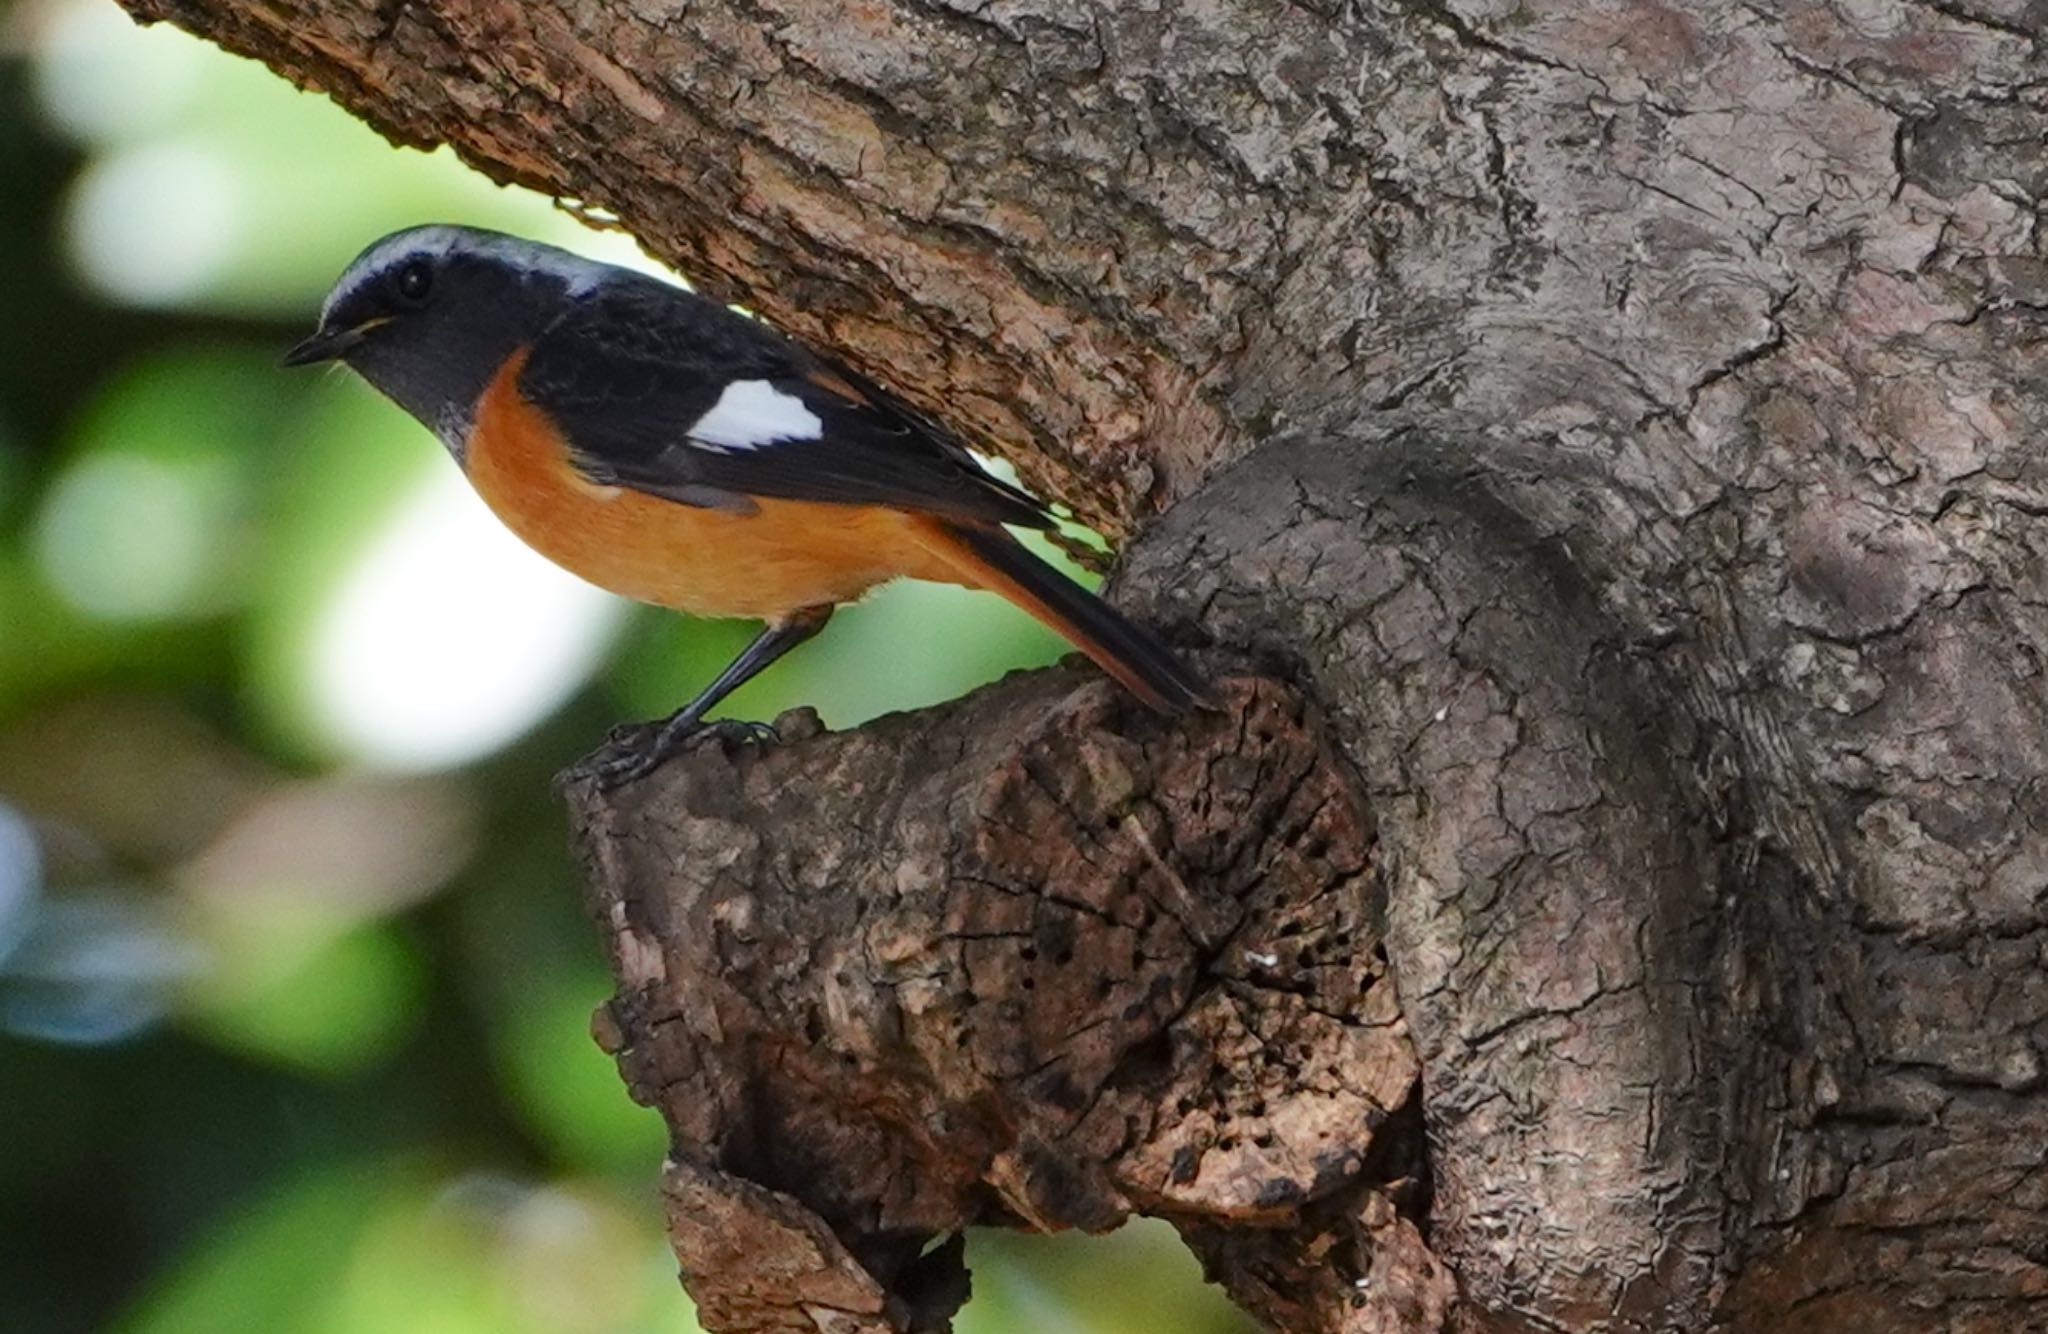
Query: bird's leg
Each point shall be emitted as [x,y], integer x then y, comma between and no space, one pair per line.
[621,763]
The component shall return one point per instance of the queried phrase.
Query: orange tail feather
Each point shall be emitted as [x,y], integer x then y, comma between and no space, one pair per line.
[986,556]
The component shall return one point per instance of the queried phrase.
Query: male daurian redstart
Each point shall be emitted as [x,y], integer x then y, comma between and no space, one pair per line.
[672,450]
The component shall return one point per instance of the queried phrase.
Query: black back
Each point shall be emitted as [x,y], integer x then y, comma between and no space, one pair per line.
[627,369]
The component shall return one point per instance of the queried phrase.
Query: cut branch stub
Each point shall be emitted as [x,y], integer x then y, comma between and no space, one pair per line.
[1032,958]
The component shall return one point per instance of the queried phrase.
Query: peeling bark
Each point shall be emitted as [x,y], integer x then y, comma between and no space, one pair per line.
[1619,420]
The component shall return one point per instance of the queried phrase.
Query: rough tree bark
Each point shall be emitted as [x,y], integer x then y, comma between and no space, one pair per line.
[1602,440]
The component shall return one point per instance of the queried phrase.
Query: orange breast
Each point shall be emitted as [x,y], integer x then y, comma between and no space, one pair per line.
[787,555]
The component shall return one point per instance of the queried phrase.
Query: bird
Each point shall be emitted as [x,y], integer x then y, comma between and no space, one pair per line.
[676,451]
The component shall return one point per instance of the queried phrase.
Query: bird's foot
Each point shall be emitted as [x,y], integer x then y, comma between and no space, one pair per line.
[629,753]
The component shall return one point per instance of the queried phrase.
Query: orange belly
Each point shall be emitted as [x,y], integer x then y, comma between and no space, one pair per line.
[787,555]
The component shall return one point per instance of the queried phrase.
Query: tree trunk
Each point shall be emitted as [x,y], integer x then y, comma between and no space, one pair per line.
[1597,441]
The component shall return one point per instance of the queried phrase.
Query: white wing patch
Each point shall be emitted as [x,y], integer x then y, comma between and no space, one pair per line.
[753,414]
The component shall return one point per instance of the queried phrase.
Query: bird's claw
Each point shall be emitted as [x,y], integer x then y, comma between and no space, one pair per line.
[629,753]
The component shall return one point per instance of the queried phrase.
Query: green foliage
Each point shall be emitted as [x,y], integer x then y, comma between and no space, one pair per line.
[329,1003]
[566,1090]
[277,1263]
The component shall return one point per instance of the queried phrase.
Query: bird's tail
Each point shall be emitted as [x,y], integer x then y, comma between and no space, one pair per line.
[986,556]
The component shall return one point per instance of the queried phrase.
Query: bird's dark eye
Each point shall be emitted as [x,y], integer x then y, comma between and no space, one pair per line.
[415,280]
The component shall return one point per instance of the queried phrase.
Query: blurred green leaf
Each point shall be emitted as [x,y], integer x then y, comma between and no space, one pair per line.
[278,1265]
[1139,1279]
[154,513]
[385,1247]
[351,460]
[905,646]
[492,1256]
[221,187]
[331,1004]
[567,1089]
[13,474]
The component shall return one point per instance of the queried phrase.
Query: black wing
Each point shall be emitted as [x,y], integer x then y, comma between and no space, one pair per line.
[636,373]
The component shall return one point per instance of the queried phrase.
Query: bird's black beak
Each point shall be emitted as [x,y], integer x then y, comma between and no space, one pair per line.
[324,345]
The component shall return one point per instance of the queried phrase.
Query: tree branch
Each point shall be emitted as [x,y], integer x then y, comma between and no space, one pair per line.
[1024,959]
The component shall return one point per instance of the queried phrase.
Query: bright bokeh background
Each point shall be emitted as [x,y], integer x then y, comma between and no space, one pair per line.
[294,987]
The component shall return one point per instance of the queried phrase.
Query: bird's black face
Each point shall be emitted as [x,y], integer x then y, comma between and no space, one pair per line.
[430,315]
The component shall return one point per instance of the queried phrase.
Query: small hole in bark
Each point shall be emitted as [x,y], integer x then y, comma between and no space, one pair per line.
[1063,958]
[814,1028]
[1258,1108]
[1263,1141]
[968,997]
[1103,986]
[1184,1105]
[1227,1143]
[1029,954]
[1147,1065]
[1030,984]
[1137,961]
[1305,959]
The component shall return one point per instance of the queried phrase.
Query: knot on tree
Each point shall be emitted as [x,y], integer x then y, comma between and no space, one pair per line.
[1032,958]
